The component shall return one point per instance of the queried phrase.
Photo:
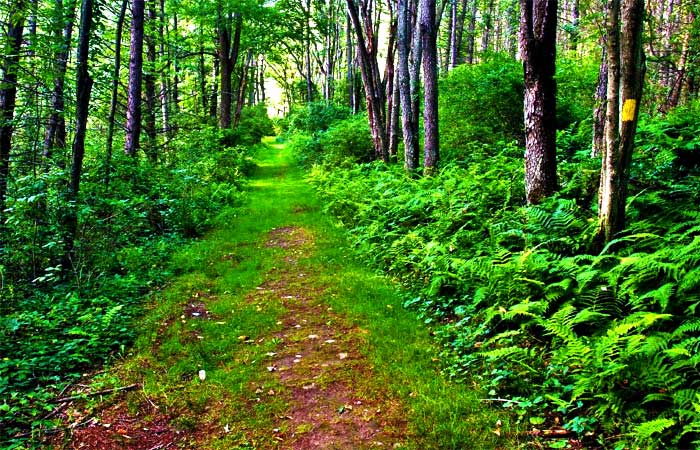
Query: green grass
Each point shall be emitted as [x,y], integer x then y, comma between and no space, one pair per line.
[223,269]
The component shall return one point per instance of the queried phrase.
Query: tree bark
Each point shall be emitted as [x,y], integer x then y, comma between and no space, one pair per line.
[428,30]
[471,34]
[243,85]
[488,26]
[162,56]
[115,91]
[538,25]
[133,109]
[149,81]
[410,139]
[454,23]
[55,135]
[625,78]
[600,108]
[369,69]
[350,63]
[83,88]
[228,55]
[8,98]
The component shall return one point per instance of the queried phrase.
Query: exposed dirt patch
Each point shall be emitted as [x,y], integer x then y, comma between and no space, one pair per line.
[115,427]
[322,368]
[287,237]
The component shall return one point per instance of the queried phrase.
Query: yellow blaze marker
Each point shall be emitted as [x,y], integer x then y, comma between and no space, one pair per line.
[628,110]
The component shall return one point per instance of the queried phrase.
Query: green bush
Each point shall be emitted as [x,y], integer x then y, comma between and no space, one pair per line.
[315,117]
[56,323]
[345,140]
[481,103]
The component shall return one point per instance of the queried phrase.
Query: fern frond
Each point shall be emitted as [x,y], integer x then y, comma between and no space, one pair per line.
[646,430]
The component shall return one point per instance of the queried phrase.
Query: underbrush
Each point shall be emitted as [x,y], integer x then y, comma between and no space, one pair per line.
[604,345]
[57,322]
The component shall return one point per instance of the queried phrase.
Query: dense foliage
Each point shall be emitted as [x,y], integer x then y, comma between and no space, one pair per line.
[604,343]
[55,327]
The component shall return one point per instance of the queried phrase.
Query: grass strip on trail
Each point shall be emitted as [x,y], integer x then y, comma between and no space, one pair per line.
[274,336]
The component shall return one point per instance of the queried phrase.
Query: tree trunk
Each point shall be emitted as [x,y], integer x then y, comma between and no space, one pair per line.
[133,108]
[454,24]
[213,102]
[242,88]
[307,54]
[428,30]
[417,56]
[538,25]
[471,34]
[352,98]
[176,67]
[163,92]
[55,135]
[8,98]
[149,81]
[83,90]
[394,113]
[228,55]
[625,78]
[600,109]
[369,69]
[488,26]
[115,91]
[410,139]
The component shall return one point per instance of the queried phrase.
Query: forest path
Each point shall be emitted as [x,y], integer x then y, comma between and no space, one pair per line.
[273,337]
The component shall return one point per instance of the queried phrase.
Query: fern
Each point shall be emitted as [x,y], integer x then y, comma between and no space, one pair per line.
[646,430]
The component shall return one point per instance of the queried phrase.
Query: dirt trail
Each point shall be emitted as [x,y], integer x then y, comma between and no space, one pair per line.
[321,365]
[318,363]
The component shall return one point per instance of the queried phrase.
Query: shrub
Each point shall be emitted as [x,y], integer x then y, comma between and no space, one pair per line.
[315,117]
[482,103]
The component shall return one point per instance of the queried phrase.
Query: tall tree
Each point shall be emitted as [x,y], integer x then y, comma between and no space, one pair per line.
[229,44]
[8,94]
[410,139]
[55,135]
[625,77]
[538,28]
[149,82]
[133,109]
[84,84]
[428,29]
[115,89]
[369,68]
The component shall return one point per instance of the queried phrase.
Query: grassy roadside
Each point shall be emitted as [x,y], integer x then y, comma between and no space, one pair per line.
[201,360]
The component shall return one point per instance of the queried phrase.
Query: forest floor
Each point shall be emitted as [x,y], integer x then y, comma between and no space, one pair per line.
[273,336]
